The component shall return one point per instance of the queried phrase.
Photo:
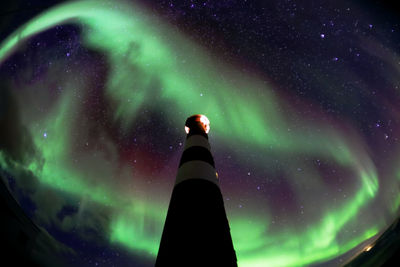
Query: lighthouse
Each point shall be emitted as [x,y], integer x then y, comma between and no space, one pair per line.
[196,230]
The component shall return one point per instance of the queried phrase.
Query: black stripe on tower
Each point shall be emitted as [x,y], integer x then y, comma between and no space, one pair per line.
[196,231]
[196,131]
[197,153]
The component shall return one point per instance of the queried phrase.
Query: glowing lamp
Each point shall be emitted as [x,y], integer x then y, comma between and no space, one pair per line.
[198,121]
[205,122]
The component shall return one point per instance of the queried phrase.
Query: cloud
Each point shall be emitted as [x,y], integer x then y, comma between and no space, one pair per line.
[15,141]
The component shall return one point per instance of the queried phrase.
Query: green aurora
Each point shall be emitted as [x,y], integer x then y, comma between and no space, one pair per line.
[184,70]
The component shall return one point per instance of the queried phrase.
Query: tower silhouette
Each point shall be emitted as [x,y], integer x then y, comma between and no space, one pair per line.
[196,230]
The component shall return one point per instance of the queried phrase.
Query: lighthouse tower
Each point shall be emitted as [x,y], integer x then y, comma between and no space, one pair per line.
[196,230]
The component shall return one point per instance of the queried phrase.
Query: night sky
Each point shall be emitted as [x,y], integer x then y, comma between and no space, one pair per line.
[303,99]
